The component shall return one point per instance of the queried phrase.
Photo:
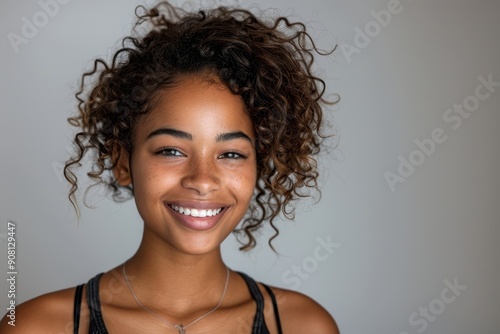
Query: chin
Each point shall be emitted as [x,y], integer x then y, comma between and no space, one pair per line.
[198,245]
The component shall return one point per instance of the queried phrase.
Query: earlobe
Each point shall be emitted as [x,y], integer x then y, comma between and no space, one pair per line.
[121,171]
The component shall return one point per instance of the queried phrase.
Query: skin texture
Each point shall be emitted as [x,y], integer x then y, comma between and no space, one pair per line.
[201,171]
[205,167]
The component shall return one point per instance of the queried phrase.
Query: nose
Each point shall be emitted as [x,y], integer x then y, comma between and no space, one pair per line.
[202,177]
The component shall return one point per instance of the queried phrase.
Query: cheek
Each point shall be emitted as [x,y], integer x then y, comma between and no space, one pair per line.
[148,181]
[247,183]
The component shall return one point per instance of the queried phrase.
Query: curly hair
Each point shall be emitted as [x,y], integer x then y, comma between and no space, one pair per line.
[269,64]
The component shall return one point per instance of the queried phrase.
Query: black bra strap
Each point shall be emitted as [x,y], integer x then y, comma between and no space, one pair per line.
[259,300]
[95,305]
[275,307]
[77,307]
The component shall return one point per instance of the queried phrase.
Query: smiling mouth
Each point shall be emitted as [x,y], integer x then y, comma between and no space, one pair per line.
[196,212]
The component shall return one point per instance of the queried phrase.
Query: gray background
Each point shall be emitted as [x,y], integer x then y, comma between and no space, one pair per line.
[394,248]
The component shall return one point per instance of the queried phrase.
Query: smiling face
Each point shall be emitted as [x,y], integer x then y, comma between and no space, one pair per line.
[193,165]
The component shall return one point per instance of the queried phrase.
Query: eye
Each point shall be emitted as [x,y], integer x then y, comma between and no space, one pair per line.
[232,155]
[169,152]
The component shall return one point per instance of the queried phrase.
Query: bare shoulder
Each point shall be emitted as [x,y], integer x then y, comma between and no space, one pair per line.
[301,314]
[49,313]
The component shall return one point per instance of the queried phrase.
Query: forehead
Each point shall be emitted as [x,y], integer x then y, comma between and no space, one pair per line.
[195,103]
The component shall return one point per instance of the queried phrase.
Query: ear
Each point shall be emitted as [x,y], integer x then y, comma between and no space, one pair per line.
[121,171]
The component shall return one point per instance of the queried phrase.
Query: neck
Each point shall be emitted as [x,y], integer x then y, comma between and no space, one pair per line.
[188,280]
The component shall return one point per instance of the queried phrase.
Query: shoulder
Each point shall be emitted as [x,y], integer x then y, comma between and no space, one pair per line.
[49,313]
[301,314]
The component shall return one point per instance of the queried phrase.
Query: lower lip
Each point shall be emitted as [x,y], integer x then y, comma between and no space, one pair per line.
[198,223]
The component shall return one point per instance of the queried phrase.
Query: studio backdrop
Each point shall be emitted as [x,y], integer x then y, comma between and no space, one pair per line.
[405,236]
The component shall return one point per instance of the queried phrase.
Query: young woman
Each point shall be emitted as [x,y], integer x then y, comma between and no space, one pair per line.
[208,120]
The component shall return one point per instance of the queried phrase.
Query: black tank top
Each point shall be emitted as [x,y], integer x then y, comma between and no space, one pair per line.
[97,323]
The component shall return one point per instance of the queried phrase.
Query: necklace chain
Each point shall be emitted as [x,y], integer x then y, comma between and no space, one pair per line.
[180,328]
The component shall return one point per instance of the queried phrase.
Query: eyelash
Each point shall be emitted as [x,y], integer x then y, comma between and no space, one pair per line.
[166,151]
[238,155]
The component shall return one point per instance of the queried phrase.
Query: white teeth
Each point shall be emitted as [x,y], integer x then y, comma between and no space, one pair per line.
[195,212]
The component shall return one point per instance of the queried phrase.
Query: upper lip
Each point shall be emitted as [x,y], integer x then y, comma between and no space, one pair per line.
[198,205]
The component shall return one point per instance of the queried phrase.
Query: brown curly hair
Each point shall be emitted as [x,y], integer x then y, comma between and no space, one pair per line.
[268,63]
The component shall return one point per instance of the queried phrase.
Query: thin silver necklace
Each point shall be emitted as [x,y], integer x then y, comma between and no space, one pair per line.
[180,328]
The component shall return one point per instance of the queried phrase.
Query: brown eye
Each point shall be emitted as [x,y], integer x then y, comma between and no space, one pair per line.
[232,155]
[169,152]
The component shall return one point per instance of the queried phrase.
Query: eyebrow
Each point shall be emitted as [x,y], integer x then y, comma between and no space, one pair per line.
[170,132]
[233,135]
[186,135]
